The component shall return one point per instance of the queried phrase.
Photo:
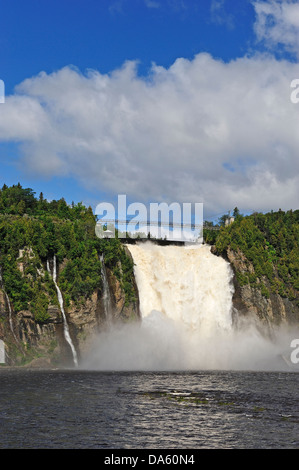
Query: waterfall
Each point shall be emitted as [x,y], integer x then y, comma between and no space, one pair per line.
[188,285]
[185,295]
[106,291]
[10,315]
[9,308]
[60,300]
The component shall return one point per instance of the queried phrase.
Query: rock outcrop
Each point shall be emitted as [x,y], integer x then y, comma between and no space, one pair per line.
[37,344]
[42,344]
[270,308]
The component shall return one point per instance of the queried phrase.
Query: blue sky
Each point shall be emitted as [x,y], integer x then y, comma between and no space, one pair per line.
[103,51]
[103,34]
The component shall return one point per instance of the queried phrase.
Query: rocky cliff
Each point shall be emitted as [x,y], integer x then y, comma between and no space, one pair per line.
[42,344]
[263,250]
[258,300]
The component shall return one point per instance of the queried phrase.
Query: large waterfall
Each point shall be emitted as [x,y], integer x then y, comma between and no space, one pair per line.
[188,285]
[185,297]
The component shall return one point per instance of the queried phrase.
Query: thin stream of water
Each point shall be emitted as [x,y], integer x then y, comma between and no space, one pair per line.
[60,300]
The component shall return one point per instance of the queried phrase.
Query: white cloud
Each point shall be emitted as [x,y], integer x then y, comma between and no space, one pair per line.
[277,23]
[224,134]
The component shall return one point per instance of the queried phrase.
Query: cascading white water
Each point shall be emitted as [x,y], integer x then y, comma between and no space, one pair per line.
[185,295]
[188,285]
[186,299]
[60,300]
[10,315]
[9,308]
[106,292]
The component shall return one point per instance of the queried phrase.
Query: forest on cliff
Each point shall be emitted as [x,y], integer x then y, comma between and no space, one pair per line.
[32,231]
[270,245]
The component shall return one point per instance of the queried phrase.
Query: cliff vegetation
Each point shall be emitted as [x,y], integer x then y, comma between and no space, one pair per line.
[264,252]
[32,231]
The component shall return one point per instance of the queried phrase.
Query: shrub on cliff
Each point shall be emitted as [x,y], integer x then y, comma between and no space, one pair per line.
[271,243]
[42,229]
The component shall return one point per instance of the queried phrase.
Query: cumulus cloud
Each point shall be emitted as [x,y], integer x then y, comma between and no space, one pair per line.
[277,23]
[202,130]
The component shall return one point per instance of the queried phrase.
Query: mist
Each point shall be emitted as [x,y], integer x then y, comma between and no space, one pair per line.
[159,344]
[187,323]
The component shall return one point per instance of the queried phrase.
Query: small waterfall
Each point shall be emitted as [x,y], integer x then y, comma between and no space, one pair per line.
[9,307]
[60,299]
[106,291]
[10,315]
[2,352]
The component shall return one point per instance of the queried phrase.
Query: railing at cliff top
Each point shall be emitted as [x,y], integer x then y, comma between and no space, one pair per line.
[154,230]
[144,223]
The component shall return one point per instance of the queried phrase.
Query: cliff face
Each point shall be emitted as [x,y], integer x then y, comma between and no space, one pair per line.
[89,318]
[25,339]
[263,250]
[269,307]
[42,344]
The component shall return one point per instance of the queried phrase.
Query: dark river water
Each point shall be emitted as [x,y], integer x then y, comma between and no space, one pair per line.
[77,409]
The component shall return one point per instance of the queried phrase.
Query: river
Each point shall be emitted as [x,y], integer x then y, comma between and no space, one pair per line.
[84,409]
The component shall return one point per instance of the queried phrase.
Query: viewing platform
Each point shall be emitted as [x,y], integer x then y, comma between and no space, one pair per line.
[159,232]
